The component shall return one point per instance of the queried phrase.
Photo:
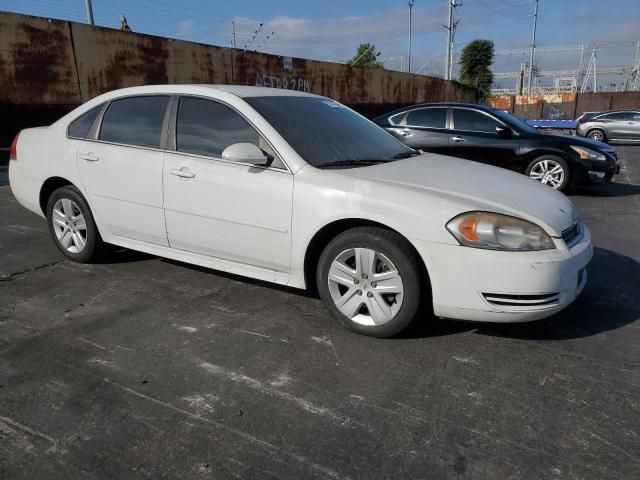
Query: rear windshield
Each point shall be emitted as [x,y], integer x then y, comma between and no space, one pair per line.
[321,130]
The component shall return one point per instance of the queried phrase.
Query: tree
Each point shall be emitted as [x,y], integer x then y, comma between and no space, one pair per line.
[366,56]
[475,63]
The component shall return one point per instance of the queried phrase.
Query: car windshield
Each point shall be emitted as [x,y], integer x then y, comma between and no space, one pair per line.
[326,133]
[514,121]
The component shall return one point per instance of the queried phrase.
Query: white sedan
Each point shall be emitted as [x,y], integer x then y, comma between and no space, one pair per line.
[299,190]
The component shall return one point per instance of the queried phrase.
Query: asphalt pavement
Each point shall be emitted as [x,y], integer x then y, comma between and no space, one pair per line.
[148,368]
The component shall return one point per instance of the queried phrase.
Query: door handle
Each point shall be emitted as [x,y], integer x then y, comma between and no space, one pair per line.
[404,132]
[89,157]
[183,172]
[458,139]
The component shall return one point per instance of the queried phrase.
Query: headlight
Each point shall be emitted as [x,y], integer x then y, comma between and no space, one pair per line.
[588,154]
[494,231]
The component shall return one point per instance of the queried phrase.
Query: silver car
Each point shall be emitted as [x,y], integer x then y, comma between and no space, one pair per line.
[621,125]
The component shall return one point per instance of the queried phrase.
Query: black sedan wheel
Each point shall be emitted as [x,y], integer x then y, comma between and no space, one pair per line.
[550,170]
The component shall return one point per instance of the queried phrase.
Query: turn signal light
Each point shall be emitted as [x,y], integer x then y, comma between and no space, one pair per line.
[469,229]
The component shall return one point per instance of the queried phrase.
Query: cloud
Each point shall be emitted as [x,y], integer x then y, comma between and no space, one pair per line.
[185,27]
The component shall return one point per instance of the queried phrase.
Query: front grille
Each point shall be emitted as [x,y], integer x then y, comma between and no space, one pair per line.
[573,234]
[504,299]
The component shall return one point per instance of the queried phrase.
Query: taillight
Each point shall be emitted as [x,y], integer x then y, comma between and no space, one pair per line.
[14,148]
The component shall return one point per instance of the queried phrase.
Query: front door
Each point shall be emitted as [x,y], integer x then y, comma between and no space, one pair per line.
[474,136]
[224,209]
[121,168]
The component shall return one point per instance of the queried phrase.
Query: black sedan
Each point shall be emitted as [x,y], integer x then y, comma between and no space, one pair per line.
[489,135]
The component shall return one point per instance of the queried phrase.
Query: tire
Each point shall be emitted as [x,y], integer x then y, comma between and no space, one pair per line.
[72,226]
[597,134]
[391,253]
[542,170]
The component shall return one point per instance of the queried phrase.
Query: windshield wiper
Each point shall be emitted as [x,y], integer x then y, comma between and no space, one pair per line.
[349,163]
[402,155]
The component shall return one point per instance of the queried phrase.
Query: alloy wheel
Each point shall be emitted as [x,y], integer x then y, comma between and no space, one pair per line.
[365,286]
[596,135]
[548,172]
[69,225]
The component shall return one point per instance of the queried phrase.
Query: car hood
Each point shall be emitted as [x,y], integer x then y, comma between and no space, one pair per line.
[475,186]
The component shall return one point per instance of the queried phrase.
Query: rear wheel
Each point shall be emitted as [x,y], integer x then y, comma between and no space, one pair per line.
[550,170]
[72,226]
[597,135]
[368,278]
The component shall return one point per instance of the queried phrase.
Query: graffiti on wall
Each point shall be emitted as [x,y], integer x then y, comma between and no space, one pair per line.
[289,83]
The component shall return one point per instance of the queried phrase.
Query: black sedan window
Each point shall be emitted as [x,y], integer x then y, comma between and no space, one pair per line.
[428,117]
[473,121]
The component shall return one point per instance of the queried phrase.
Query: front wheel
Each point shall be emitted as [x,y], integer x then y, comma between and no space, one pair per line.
[72,226]
[597,135]
[368,278]
[550,170]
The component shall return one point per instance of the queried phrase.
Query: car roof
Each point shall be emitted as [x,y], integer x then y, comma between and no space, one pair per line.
[478,106]
[243,91]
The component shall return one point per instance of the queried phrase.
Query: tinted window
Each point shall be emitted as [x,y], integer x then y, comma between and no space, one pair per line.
[617,116]
[471,120]
[428,117]
[80,127]
[207,128]
[322,130]
[134,121]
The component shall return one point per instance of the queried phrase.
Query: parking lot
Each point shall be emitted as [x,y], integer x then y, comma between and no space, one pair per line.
[143,367]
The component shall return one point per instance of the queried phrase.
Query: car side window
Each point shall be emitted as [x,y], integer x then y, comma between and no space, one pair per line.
[81,126]
[134,121]
[206,127]
[428,117]
[473,121]
[616,116]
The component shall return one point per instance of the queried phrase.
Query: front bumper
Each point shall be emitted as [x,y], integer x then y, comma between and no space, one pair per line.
[494,286]
[592,172]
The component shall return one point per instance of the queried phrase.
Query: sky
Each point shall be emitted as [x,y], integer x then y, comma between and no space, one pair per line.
[332,29]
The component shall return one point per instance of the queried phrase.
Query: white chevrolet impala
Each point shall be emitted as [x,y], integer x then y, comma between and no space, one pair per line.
[299,190]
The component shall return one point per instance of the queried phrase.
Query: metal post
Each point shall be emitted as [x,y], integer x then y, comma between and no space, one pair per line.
[533,48]
[411,2]
[233,24]
[595,72]
[449,27]
[89,12]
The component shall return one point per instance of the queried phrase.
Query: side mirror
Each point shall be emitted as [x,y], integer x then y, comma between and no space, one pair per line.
[503,132]
[245,153]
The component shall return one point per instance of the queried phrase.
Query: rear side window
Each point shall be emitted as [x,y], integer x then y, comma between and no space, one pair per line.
[617,116]
[428,117]
[206,128]
[473,121]
[80,127]
[134,121]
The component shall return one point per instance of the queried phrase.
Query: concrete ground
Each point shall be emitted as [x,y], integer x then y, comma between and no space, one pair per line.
[146,368]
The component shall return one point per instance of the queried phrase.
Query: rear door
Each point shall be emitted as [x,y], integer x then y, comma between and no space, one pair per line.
[633,131]
[474,136]
[425,129]
[120,165]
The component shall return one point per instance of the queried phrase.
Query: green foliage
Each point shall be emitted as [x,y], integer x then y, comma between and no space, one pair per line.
[366,56]
[475,65]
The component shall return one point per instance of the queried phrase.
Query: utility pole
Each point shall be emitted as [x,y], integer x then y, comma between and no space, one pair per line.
[450,27]
[89,12]
[533,48]
[411,2]
[233,25]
